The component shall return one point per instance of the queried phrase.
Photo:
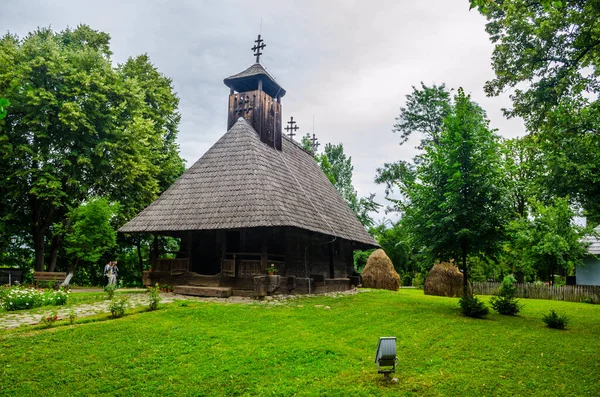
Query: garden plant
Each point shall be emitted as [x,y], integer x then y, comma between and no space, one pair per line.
[504,302]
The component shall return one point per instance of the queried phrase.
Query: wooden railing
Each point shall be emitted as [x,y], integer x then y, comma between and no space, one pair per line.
[571,293]
[177,265]
[249,264]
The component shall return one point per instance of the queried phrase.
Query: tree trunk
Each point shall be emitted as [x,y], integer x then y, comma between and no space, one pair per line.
[465,272]
[72,267]
[39,225]
[38,246]
[54,246]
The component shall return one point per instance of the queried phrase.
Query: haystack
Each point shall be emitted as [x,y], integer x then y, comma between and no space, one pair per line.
[444,280]
[379,272]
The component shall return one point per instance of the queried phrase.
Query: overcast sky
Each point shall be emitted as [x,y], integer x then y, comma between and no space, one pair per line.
[348,64]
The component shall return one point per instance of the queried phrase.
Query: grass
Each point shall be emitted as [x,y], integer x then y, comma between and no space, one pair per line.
[313,346]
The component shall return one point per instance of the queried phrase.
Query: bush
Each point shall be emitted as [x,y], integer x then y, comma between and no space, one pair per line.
[49,320]
[154,297]
[110,290]
[418,281]
[406,279]
[19,298]
[553,320]
[504,301]
[473,307]
[72,317]
[117,306]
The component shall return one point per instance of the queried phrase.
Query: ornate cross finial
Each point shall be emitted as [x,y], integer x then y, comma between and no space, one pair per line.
[315,143]
[257,47]
[291,128]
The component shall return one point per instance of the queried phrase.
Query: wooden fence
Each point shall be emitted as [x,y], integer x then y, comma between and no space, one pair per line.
[571,293]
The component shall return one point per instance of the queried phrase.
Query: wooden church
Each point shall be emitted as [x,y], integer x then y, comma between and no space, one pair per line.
[256,198]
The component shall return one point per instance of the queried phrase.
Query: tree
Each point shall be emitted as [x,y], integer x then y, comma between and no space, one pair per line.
[90,233]
[547,241]
[550,47]
[548,53]
[4,103]
[455,206]
[394,241]
[338,168]
[80,127]
[425,112]
[521,168]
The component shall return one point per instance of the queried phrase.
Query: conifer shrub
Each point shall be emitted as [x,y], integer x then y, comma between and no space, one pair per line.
[504,301]
[556,321]
[472,307]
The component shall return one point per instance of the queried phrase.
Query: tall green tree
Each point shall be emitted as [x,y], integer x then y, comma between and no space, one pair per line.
[90,233]
[547,240]
[424,113]
[80,127]
[455,207]
[549,49]
[547,53]
[522,172]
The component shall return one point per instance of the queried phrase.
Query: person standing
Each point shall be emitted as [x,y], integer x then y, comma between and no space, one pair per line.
[106,270]
[115,271]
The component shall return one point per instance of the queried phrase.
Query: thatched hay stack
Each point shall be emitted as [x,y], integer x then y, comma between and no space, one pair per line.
[379,272]
[444,280]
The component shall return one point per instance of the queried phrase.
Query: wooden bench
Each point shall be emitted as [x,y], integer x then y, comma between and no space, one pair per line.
[57,277]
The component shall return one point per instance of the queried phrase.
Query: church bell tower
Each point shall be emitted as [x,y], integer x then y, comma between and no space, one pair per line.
[256,96]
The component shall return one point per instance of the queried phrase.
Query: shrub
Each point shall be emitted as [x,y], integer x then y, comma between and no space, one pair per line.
[406,279]
[49,320]
[72,317]
[554,320]
[473,307]
[117,306]
[418,281]
[58,297]
[154,297]
[110,290]
[504,301]
[19,298]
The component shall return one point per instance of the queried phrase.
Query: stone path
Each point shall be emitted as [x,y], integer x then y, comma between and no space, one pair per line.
[14,320]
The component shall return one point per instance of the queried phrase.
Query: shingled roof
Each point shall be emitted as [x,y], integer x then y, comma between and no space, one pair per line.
[240,182]
[248,81]
[594,241]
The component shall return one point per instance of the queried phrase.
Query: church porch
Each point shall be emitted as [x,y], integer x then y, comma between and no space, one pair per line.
[237,260]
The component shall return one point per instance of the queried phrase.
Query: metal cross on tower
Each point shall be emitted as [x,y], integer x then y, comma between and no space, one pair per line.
[257,47]
[291,128]
[315,143]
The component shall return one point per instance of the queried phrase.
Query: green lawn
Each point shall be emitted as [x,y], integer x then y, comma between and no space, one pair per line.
[302,347]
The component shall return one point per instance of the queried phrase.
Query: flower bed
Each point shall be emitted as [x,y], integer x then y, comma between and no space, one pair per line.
[19,298]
